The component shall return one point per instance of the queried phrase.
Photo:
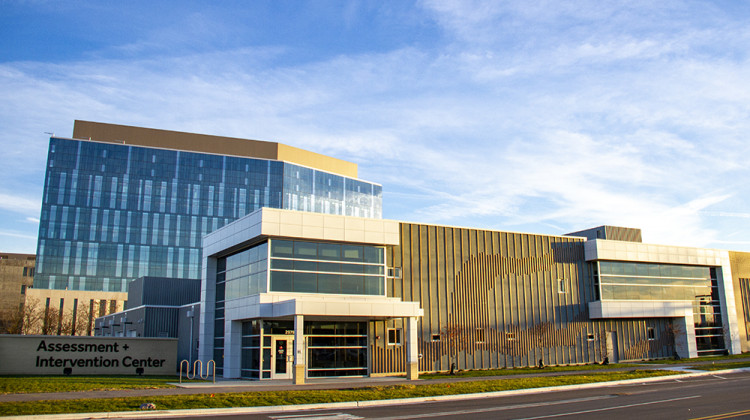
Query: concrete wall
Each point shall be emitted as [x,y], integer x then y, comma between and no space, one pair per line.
[52,355]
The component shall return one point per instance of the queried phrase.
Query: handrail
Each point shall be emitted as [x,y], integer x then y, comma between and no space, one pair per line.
[198,367]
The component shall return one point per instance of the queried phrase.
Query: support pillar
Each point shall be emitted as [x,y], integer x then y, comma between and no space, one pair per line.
[232,349]
[684,336]
[299,350]
[412,351]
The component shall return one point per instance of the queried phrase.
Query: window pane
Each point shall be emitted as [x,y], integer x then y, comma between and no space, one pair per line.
[329,251]
[305,266]
[329,283]
[305,282]
[374,269]
[352,285]
[373,285]
[329,267]
[373,255]
[281,248]
[308,250]
[282,264]
[281,281]
[352,268]
[351,252]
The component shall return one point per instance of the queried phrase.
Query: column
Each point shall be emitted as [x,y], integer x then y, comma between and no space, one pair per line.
[412,351]
[684,335]
[728,307]
[232,349]
[299,350]
[207,311]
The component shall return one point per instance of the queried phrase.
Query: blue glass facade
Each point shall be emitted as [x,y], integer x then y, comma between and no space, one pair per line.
[113,212]
[646,281]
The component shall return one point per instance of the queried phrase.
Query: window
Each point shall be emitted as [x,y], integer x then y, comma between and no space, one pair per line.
[394,272]
[510,336]
[480,335]
[590,337]
[651,334]
[561,286]
[435,337]
[311,267]
[394,336]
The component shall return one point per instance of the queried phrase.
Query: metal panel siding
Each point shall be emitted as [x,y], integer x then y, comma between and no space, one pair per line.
[188,328]
[616,233]
[169,291]
[161,322]
[492,299]
[135,293]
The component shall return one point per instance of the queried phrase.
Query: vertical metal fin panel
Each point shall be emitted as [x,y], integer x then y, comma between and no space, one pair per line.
[492,300]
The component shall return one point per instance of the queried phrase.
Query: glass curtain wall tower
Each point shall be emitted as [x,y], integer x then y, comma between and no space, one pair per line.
[114,211]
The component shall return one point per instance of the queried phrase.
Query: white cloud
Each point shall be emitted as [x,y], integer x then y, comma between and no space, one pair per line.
[19,204]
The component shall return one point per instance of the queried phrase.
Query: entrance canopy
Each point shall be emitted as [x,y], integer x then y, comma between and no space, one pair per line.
[318,305]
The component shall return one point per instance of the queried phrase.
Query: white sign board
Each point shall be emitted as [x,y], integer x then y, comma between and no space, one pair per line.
[58,355]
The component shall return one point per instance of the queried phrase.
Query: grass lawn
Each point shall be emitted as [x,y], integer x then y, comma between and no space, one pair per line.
[27,384]
[272,398]
[523,371]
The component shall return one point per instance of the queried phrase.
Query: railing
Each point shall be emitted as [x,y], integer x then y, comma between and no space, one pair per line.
[198,367]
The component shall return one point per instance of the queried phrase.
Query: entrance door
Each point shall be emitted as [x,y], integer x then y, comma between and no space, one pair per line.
[282,357]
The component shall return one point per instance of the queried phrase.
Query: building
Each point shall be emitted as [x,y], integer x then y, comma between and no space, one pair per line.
[70,312]
[121,203]
[127,202]
[287,294]
[16,277]
[271,301]
[26,310]
[158,307]
[300,277]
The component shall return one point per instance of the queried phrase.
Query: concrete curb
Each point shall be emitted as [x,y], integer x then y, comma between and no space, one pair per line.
[356,404]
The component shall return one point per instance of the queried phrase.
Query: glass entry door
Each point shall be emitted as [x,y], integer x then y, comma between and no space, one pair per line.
[282,357]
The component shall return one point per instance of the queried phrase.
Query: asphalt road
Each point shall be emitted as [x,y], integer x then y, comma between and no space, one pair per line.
[709,397]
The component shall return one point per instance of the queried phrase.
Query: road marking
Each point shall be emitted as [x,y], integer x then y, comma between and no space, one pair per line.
[488,410]
[724,415]
[327,416]
[575,413]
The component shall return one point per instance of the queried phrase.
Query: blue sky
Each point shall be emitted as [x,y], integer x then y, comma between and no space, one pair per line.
[544,117]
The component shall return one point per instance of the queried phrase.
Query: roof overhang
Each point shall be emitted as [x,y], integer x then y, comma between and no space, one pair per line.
[282,305]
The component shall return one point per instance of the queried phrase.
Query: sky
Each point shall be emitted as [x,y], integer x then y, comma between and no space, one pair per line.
[544,117]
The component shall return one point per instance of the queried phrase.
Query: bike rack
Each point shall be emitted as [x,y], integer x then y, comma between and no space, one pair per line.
[198,367]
